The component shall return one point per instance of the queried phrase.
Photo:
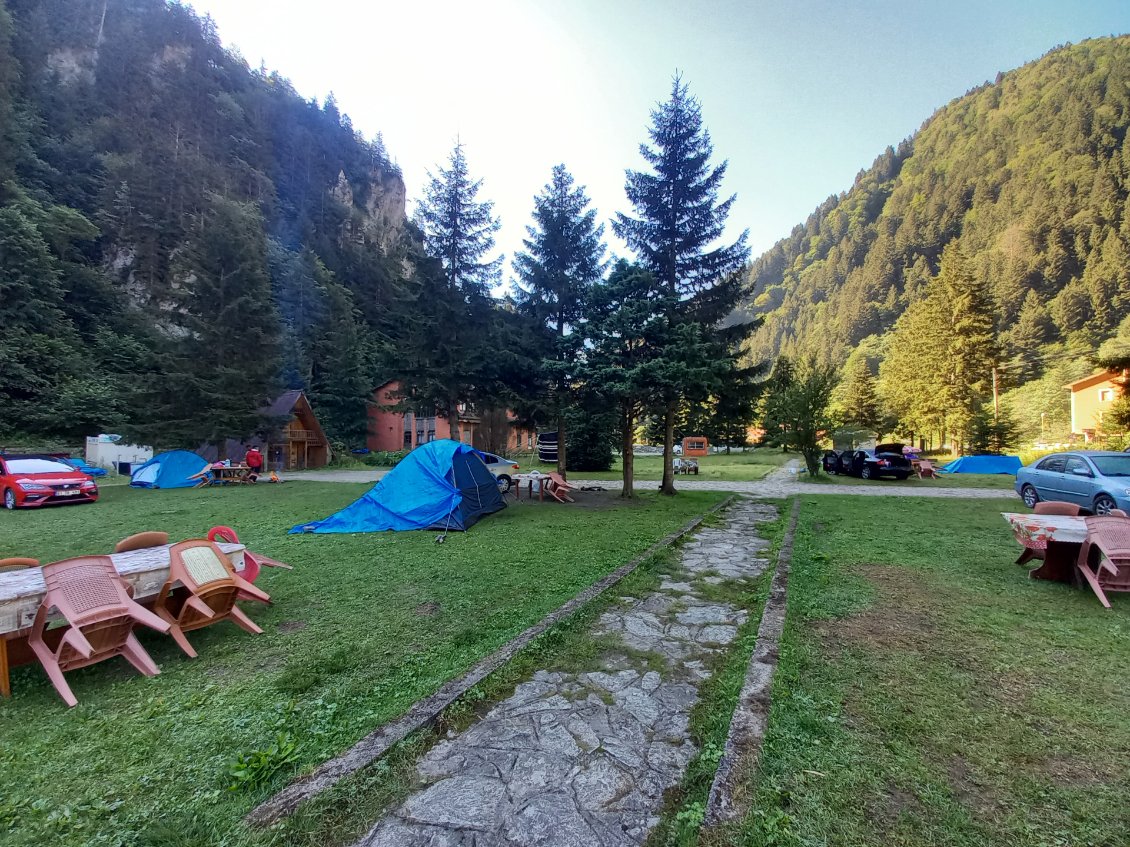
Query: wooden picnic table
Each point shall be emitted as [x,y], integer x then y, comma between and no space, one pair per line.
[21,593]
[1061,538]
[222,475]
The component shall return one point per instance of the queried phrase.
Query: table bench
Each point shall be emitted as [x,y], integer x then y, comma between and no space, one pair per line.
[22,592]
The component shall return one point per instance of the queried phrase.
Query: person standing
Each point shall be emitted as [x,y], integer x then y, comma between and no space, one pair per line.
[254,462]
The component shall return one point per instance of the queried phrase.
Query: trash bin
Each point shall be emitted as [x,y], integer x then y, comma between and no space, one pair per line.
[124,468]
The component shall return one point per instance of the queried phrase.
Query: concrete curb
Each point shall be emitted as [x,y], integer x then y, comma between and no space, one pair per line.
[751,716]
[424,712]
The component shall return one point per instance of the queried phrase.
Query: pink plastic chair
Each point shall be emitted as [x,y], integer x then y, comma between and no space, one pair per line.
[17,563]
[92,598]
[1057,507]
[142,541]
[212,589]
[252,562]
[560,488]
[1104,560]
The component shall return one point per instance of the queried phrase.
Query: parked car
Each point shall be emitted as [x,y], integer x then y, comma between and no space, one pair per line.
[81,465]
[502,468]
[1095,479]
[884,460]
[32,481]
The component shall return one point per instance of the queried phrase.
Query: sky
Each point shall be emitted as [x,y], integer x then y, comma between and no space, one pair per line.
[798,96]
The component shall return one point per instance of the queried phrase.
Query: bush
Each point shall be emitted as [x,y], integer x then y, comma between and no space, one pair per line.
[384,458]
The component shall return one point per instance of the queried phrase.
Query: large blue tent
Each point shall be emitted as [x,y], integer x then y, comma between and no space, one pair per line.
[169,470]
[439,485]
[984,464]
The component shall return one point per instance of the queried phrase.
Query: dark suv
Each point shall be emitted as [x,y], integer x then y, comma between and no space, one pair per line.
[884,460]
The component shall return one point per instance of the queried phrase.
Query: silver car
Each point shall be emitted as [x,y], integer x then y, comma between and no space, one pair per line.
[502,468]
[1095,479]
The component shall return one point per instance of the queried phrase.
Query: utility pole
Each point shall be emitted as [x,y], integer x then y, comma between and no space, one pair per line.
[996,398]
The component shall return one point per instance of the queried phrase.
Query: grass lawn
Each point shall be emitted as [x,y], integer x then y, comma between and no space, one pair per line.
[364,626]
[930,694]
[1004,482]
[737,467]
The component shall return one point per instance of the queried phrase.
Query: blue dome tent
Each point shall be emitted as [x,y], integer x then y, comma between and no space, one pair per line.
[439,485]
[168,470]
[984,464]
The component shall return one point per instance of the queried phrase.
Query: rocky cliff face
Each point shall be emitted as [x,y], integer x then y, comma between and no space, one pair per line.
[381,217]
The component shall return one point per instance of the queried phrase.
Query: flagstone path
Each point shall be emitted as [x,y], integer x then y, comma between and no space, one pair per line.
[584,758]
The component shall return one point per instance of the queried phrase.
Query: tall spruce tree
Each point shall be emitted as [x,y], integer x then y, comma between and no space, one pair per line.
[458,229]
[677,220]
[226,368]
[564,257]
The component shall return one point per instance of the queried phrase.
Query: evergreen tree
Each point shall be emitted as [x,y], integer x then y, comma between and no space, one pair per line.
[341,381]
[859,400]
[627,329]
[972,340]
[225,369]
[458,229]
[796,414]
[677,220]
[564,258]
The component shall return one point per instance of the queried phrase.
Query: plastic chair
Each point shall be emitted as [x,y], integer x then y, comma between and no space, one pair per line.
[142,540]
[17,563]
[92,598]
[1109,537]
[1057,507]
[252,562]
[212,586]
[1117,513]
[926,470]
[560,489]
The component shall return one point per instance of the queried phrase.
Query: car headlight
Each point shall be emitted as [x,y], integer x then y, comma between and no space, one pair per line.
[90,486]
[29,485]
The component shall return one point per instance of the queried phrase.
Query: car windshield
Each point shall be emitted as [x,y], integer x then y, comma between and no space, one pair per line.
[1112,465]
[18,466]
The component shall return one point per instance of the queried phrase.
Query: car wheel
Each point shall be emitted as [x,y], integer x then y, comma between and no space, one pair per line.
[1029,496]
[866,472]
[9,499]
[1103,504]
[503,484]
[901,477]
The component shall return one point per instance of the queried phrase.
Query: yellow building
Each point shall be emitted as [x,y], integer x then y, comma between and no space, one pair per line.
[1091,398]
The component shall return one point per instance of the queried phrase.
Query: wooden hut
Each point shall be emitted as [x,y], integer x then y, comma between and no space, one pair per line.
[297,441]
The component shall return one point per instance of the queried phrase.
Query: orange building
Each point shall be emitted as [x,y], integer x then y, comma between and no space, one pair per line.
[695,445]
[389,430]
[1091,399]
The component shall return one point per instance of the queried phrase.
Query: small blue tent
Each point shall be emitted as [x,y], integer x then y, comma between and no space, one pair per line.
[439,485]
[984,464]
[168,470]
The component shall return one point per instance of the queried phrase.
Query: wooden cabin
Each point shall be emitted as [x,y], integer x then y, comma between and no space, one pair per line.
[297,442]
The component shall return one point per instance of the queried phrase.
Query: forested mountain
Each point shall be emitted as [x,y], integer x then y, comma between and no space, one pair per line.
[1027,177]
[180,235]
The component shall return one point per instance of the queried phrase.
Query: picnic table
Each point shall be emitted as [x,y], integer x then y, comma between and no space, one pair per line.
[1061,538]
[21,593]
[529,479]
[222,475]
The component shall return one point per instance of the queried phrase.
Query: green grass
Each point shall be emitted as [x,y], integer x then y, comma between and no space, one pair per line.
[737,467]
[930,694]
[364,626]
[1003,482]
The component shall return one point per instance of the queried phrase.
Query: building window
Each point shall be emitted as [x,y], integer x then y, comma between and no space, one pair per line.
[1106,395]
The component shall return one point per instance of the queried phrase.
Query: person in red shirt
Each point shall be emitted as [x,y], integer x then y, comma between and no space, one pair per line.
[254,462]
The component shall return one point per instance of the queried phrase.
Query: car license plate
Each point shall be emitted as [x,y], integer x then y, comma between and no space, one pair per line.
[70,493]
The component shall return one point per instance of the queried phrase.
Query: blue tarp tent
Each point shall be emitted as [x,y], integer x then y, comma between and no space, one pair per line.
[439,485]
[984,464]
[168,470]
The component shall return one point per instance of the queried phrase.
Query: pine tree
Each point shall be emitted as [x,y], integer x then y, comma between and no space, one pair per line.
[226,368]
[341,380]
[859,401]
[565,258]
[973,352]
[677,218]
[459,230]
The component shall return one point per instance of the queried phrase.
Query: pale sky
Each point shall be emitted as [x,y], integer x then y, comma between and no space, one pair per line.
[798,96]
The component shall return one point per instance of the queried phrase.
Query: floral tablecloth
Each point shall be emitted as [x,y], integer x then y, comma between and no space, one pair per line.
[1035,531]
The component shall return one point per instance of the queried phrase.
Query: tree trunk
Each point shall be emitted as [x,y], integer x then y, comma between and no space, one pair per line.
[668,485]
[452,420]
[627,439]
[561,445]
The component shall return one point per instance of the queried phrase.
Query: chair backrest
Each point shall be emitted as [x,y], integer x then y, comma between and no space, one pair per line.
[90,596]
[1112,536]
[199,564]
[141,540]
[1118,513]
[17,563]
[223,533]
[1056,507]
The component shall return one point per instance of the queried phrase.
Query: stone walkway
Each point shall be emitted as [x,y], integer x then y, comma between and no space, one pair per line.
[584,758]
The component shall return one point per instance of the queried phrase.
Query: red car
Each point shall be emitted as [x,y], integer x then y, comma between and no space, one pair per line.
[42,481]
